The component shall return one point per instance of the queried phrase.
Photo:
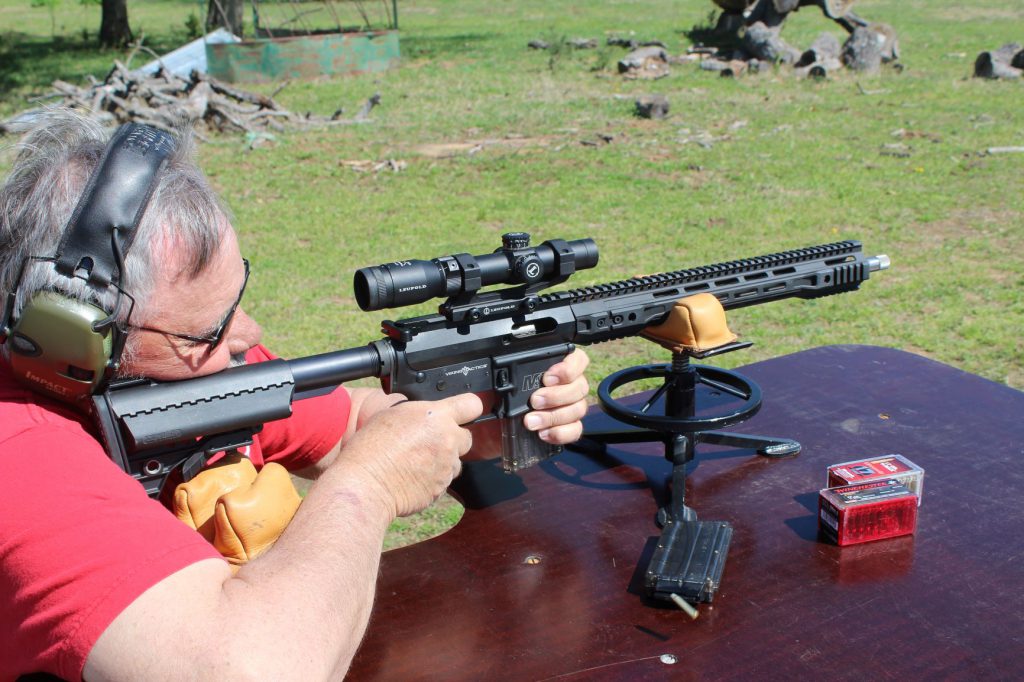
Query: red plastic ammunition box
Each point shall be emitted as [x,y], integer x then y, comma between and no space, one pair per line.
[870,511]
[895,467]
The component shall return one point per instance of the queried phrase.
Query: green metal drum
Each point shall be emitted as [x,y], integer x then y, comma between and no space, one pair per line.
[307,56]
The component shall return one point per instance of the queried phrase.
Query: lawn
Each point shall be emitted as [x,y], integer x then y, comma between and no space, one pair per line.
[496,137]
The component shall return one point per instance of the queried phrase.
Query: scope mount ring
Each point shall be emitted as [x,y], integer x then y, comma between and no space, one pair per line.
[715,378]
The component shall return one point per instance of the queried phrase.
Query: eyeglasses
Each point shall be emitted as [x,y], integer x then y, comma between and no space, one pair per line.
[214,339]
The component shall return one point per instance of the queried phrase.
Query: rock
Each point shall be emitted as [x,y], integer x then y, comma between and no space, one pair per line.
[640,56]
[652,106]
[645,62]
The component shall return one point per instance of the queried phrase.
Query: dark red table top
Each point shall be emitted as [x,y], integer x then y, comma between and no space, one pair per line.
[542,577]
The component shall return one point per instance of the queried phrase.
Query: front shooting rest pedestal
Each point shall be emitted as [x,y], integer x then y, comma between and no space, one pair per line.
[690,554]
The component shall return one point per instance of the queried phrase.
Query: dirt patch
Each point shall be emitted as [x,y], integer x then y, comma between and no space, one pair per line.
[998,231]
[447,150]
[996,228]
[966,222]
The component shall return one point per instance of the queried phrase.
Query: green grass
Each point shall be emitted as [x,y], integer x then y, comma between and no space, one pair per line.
[439,517]
[791,163]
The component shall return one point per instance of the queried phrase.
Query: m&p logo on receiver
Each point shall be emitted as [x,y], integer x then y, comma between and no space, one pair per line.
[531,382]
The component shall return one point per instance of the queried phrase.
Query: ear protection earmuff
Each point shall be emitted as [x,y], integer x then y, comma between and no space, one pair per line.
[61,346]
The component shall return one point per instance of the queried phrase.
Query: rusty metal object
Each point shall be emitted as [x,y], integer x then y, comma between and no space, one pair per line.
[273,59]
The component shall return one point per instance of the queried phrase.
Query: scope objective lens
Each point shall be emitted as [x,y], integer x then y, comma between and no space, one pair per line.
[393,285]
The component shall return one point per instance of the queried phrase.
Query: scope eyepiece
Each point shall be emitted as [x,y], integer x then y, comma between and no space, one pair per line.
[407,282]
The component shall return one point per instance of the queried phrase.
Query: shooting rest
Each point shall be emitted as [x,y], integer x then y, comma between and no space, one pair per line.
[690,555]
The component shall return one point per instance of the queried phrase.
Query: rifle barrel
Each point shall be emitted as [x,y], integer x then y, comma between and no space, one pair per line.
[334,368]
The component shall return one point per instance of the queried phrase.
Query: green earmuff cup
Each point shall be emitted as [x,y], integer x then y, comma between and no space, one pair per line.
[55,349]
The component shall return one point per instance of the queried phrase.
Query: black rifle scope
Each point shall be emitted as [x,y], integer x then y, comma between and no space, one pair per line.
[406,282]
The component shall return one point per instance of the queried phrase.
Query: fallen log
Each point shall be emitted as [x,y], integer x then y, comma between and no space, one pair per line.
[869,46]
[364,112]
[168,102]
[1006,62]
[764,43]
[825,48]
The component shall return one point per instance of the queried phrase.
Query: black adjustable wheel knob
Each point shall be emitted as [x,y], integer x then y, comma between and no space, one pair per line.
[722,381]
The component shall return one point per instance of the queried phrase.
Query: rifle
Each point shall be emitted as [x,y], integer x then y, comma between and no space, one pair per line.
[497,342]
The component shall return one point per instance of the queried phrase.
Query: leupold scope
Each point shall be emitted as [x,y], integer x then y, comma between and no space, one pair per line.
[406,282]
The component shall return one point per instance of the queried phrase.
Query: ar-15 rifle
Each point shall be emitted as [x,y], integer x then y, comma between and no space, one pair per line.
[499,342]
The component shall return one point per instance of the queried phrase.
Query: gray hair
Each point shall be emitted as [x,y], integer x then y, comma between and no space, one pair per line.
[53,162]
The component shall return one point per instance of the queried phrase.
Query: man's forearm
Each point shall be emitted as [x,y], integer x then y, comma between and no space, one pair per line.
[330,554]
[298,612]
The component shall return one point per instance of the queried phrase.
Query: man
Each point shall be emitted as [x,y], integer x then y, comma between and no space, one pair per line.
[99,582]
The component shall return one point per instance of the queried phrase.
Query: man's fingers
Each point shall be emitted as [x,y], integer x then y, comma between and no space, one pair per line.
[562,435]
[467,442]
[568,369]
[464,407]
[556,396]
[538,421]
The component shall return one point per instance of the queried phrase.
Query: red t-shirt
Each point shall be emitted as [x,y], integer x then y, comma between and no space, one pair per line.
[79,538]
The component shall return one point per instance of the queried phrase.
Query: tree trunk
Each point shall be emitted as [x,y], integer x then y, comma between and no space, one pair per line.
[226,13]
[114,29]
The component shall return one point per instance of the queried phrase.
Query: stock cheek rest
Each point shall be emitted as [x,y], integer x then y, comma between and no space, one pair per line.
[695,324]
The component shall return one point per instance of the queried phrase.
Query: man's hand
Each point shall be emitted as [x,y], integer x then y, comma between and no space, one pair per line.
[561,404]
[411,451]
[558,408]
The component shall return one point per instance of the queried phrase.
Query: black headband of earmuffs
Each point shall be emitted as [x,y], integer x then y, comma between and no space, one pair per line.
[114,199]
